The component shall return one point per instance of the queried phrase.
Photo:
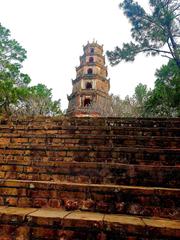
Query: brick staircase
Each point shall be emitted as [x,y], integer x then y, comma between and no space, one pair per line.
[89,178]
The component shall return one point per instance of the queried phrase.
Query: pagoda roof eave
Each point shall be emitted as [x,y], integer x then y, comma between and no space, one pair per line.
[90,77]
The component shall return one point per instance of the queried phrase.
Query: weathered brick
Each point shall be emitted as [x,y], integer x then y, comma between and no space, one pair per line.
[97,154]
[23,233]
[40,202]
[11,201]
[55,203]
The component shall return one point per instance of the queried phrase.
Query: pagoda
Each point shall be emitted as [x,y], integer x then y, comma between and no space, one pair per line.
[89,97]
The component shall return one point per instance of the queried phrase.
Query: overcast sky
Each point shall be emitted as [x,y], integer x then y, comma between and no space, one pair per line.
[54,31]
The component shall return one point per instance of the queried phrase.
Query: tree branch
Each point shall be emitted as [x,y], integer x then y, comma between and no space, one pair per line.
[148,18]
[167,57]
[156,50]
[176,16]
[176,8]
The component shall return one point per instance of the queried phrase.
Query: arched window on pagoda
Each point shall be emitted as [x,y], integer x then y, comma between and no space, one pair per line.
[89,71]
[91,59]
[92,50]
[88,85]
[87,102]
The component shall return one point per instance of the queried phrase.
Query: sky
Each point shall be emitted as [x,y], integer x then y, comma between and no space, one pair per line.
[54,31]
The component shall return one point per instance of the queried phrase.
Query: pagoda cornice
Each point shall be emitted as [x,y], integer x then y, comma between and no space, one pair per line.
[91,92]
[92,55]
[89,76]
[85,110]
[91,65]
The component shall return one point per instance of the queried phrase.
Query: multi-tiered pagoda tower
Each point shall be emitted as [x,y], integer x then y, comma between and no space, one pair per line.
[89,95]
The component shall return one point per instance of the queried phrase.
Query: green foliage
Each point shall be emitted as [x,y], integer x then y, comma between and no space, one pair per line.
[165,98]
[16,96]
[127,107]
[13,83]
[153,33]
[141,93]
[39,102]
[10,49]
[140,96]
[162,101]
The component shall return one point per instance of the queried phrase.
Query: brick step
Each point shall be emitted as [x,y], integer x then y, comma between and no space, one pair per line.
[105,198]
[97,173]
[79,122]
[139,131]
[86,140]
[54,224]
[73,121]
[132,121]
[96,130]
[23,157]
[91,153]
[28,137]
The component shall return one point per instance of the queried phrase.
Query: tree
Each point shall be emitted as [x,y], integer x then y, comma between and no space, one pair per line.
[153,33]
[39,102]
[164,99]
[124,107]
[16,96]
[141,93]
[13,83]
[140,96]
